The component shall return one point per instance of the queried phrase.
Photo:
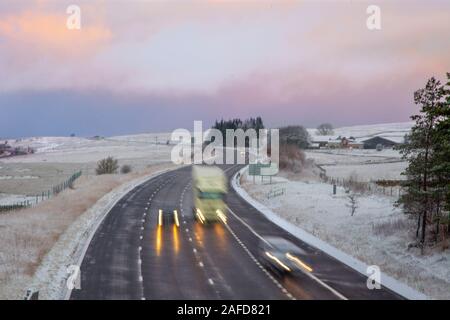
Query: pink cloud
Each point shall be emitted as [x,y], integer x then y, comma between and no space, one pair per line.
[48,33]
[293,47]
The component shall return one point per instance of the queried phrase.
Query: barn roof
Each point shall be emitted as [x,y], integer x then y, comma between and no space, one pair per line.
[380,138]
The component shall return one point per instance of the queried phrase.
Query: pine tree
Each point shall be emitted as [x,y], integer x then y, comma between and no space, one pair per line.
[441,167]
[421,192]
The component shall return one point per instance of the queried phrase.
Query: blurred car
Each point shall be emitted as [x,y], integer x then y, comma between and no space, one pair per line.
[168,216]
[281,256]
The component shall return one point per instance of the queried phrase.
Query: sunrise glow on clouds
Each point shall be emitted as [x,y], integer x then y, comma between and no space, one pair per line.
[286,60]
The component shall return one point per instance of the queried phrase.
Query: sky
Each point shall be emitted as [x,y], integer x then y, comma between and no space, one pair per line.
[153,66]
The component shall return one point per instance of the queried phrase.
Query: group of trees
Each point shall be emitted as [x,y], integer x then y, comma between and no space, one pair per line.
[292,140]
[289,135]
[427,150]
[295,135]
[299,136]
[252,123]
[236,123]
[325,129]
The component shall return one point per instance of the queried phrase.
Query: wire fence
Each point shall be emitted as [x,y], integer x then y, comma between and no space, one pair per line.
[364,187]
[33,200]
[275,192]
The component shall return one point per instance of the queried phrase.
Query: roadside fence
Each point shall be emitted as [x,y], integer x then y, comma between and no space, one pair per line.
[275,192]
[364,187]
[33,200]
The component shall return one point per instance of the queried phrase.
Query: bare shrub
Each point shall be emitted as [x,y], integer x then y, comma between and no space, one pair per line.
[125,169]
[352,203]
[107,166]
[292,158]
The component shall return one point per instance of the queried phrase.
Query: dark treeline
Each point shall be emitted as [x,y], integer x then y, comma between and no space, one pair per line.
[236,123]
[252,123]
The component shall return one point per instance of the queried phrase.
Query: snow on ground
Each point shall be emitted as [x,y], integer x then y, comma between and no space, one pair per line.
[83,150]
[368,172]
[344,156]
[378,233]
[18,177]
[393,131]
[366,165]
[57,158]
[10,199]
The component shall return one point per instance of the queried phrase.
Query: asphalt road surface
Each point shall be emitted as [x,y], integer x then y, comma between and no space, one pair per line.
[130,257]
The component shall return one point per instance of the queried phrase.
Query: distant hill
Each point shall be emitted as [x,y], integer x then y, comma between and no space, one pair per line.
[392,131]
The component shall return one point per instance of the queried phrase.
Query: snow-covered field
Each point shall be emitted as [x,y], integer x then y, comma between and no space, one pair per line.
[152,147]
[365,165]
[377,234]
[393,131]
[368,172]
[10,199]
[57,158]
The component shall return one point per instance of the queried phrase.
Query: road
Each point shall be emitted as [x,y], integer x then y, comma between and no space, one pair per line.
[130,257]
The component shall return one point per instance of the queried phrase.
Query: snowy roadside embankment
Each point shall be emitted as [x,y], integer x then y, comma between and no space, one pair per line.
[51,276]
[377,234]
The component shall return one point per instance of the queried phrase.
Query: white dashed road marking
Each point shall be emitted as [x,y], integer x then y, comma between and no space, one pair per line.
[252,257]
[313,277]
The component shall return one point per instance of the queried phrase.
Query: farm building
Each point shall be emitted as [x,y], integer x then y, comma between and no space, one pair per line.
[372,143]
[5,149]
[351,143]
[322,141]
[336,142]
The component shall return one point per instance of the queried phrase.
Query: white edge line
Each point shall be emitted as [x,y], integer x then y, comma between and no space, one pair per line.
[252,257]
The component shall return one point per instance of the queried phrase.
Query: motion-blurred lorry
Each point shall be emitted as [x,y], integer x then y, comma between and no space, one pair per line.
[209,186]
